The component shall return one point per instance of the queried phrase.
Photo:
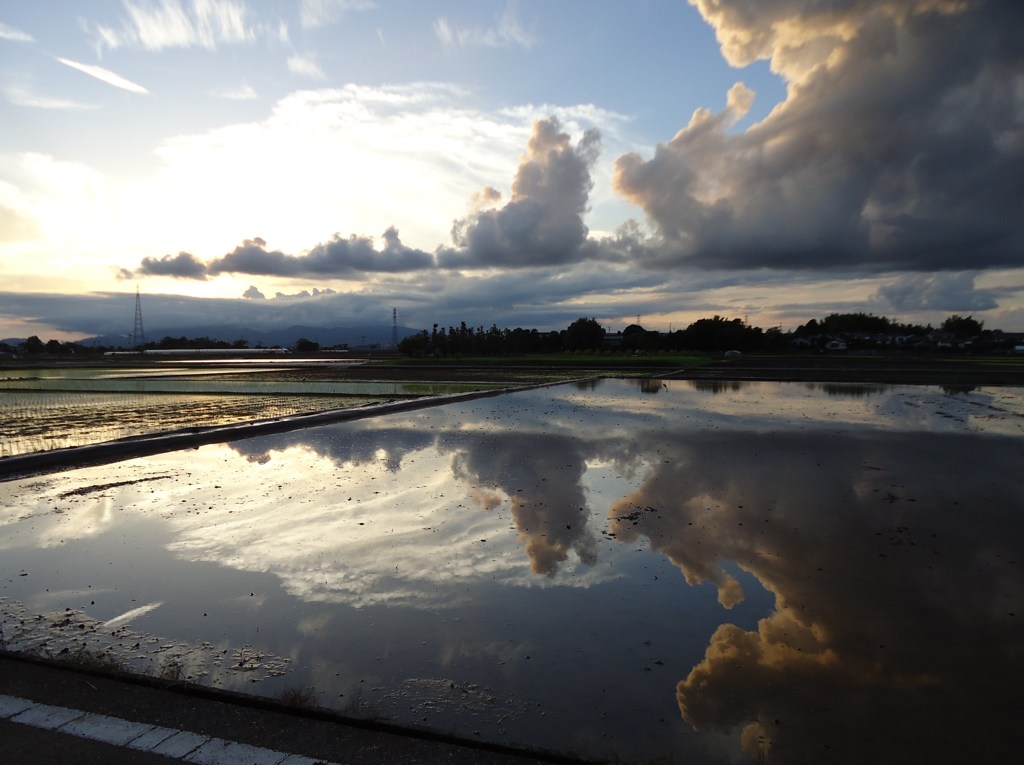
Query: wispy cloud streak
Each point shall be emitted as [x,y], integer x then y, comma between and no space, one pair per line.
[173,24]
[509,33]
[105,75]
[14,35]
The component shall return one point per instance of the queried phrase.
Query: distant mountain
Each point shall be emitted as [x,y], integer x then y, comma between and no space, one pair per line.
[354,336]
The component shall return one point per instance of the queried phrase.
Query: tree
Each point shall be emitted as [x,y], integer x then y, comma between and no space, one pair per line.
[302,345]
[584,334]
[855,323]
[415,346]
[721,334]
[962,326]
[33,345]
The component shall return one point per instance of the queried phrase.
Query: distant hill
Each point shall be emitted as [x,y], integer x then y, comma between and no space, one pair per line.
[354,336]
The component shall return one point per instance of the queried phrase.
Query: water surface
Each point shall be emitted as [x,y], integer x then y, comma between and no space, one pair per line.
[641,570]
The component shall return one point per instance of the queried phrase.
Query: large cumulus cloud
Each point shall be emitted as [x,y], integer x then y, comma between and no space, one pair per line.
[542,224]
[900,145]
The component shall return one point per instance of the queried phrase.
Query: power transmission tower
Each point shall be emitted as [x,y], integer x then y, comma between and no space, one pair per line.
[138,338]
[394,327]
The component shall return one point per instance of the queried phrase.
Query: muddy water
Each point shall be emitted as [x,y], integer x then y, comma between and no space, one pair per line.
[641,570]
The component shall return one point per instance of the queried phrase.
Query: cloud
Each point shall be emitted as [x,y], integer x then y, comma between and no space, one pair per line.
[156,26]
[304,294]
[336,257]
[542,224]
[184,265]
[305,66]
[953,292]
[241,93]
[887,154]
[14,35]
[508,33]
[14,226]
[319,13]
[21,97]
[253,294]
[105,75]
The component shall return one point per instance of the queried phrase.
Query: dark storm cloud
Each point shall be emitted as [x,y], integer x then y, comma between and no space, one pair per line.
[954,292]
[900,145]
[542,224]
[337,257]
[184,265]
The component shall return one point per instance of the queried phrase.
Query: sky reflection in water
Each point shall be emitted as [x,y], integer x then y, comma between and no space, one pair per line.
[711,573]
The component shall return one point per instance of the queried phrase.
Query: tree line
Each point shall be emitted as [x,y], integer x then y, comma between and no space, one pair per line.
[33,345]
[584,334]
[716,333]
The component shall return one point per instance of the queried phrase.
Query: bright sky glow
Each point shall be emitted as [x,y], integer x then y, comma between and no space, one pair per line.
[523,163]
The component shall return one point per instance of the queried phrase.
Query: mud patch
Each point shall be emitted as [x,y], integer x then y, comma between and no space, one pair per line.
[77,638]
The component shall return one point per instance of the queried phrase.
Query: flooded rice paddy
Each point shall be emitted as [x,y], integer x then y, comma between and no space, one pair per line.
[45,409]
[637,570]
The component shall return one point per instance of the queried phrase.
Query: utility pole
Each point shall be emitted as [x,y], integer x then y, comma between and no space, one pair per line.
[138,338]
[394,328]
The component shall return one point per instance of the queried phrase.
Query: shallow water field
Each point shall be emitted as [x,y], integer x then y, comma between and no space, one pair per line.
[44,409]
[35,421]
[641,570]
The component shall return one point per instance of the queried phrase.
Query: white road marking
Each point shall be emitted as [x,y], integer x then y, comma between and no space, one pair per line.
[170,742]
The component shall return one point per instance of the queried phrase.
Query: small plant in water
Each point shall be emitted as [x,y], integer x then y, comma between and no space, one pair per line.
[172,670]
[88,659]
[301,698]
[358,707]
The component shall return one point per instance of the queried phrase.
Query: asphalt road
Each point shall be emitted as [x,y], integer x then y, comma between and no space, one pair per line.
[53,714]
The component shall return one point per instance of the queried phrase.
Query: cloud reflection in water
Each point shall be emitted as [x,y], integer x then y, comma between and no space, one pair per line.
[884,525]
[895,560]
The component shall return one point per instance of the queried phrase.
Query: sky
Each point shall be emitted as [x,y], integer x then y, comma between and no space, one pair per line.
[510,162]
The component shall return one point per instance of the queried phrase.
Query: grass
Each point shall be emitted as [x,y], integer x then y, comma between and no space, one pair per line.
[357,707]
[85,658]
[300,698]
[172,671]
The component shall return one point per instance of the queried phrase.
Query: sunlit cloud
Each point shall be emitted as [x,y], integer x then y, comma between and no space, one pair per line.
[242,93]
[305,66]
[105,75]
[508,33]
[14,35]
[894,189]
[22,97]
[319,13]
[175,24]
